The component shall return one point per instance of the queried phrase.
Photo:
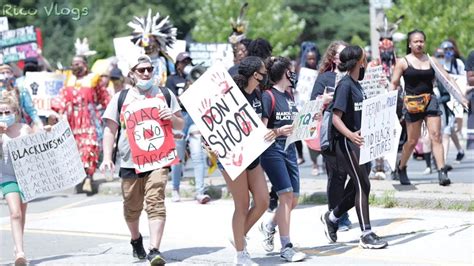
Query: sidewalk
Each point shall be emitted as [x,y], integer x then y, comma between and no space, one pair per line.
[386,193]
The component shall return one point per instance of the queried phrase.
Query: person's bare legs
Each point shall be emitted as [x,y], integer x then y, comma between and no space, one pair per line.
[283,212]
[434,128]
[134,229]
[413,134]
[17,220]
[258,188]
[240,194]
[157,227]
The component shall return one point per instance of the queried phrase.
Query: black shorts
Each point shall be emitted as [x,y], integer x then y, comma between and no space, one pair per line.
[250,167]
[130,173]
[431,110]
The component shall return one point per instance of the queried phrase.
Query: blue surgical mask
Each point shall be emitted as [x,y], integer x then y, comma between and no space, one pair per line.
[8,119]
[449,54]
[144,84]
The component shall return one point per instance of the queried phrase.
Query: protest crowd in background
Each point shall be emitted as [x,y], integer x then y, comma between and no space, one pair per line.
[142,114]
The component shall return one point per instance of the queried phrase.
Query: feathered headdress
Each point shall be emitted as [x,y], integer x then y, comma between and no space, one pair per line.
[386,30]
[82,47]
[239,26]
[157,27]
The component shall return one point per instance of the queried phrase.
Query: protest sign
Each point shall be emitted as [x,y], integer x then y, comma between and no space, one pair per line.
[375,81]
[46,162]
[451,87]
[305,122]
[378,127]
[225,119]
[3,23]
[304,87]
[43,87]
[18,44]
[208,54]
[150,138]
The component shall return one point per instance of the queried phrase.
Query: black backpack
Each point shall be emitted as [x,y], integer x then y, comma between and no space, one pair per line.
[121,100]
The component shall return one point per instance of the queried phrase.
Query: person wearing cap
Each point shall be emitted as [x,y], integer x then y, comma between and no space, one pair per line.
[79,101]
[177,84]
[8,82]
[118,80]
[148,186]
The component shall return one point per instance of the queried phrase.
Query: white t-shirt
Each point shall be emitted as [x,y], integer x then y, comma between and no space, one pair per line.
[111,113]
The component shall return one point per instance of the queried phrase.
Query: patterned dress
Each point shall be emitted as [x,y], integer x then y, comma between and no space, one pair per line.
[82,100]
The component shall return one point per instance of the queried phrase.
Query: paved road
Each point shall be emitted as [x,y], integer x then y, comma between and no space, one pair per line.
[75,229]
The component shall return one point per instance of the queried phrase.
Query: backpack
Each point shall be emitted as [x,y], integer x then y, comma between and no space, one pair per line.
[327,134]
[121,100]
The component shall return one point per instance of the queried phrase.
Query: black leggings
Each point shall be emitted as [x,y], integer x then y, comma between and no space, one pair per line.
[336,181]
[358,194]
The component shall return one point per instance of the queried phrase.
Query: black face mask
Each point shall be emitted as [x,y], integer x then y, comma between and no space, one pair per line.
[292,78]
[361,73]
[264,81]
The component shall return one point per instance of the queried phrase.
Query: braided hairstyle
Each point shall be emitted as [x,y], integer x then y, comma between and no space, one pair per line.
[349,57]
[277,67]
[247,67]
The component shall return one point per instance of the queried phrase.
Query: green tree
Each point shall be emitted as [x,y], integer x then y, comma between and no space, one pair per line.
[271,20]
[439,20]
[329,20]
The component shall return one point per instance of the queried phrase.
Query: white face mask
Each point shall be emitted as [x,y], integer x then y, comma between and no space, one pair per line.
[8,119]
[144,84]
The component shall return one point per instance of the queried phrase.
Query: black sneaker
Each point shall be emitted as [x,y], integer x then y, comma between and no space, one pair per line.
[443,177]
[402,175]
[138,250]
[372,241]
[273,204]
[155,258]
[330,228]
[459,156]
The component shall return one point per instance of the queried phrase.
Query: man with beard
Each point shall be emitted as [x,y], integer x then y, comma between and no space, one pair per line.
[79,101]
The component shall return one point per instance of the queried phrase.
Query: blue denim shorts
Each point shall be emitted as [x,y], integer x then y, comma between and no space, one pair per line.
[281,167]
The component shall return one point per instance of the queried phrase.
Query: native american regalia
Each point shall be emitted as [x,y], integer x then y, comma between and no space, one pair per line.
[81,100]
[155,34]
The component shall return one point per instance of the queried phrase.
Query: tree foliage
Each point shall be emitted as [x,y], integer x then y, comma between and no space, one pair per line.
[104,21]
[439,20]
[271,20]
[329,20]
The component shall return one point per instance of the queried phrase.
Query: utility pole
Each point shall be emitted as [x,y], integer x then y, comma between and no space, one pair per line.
[376,12]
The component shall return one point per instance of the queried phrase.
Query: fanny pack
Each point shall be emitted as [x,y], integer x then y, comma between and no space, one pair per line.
[416,103]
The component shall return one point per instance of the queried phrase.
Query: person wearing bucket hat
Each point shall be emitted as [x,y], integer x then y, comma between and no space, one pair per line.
[148,186]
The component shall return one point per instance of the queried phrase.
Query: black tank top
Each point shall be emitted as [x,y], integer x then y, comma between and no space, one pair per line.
[418,81]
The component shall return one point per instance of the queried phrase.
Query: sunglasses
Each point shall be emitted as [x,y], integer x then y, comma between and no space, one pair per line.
[143,69]
[5,113]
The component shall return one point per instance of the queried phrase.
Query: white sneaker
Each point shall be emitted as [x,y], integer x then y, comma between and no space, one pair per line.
[175,196]
[267,238]
[291,255]
[427,171]
[380,176]
[243,258]
[203,198]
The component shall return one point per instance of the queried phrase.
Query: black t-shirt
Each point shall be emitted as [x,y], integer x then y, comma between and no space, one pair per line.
[255,100]
[470,62]
[175,83]
[348,99]
[326,79]
[284,111]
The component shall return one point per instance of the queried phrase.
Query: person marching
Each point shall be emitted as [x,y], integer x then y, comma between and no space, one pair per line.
[11,128]
[251,73]
[346,119]
[279,110]
[324,87]
[419,76]
[149,186]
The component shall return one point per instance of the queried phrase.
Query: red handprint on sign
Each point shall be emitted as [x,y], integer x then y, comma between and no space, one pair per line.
[237,159]
[206,110]
[220,80]
[246,124]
